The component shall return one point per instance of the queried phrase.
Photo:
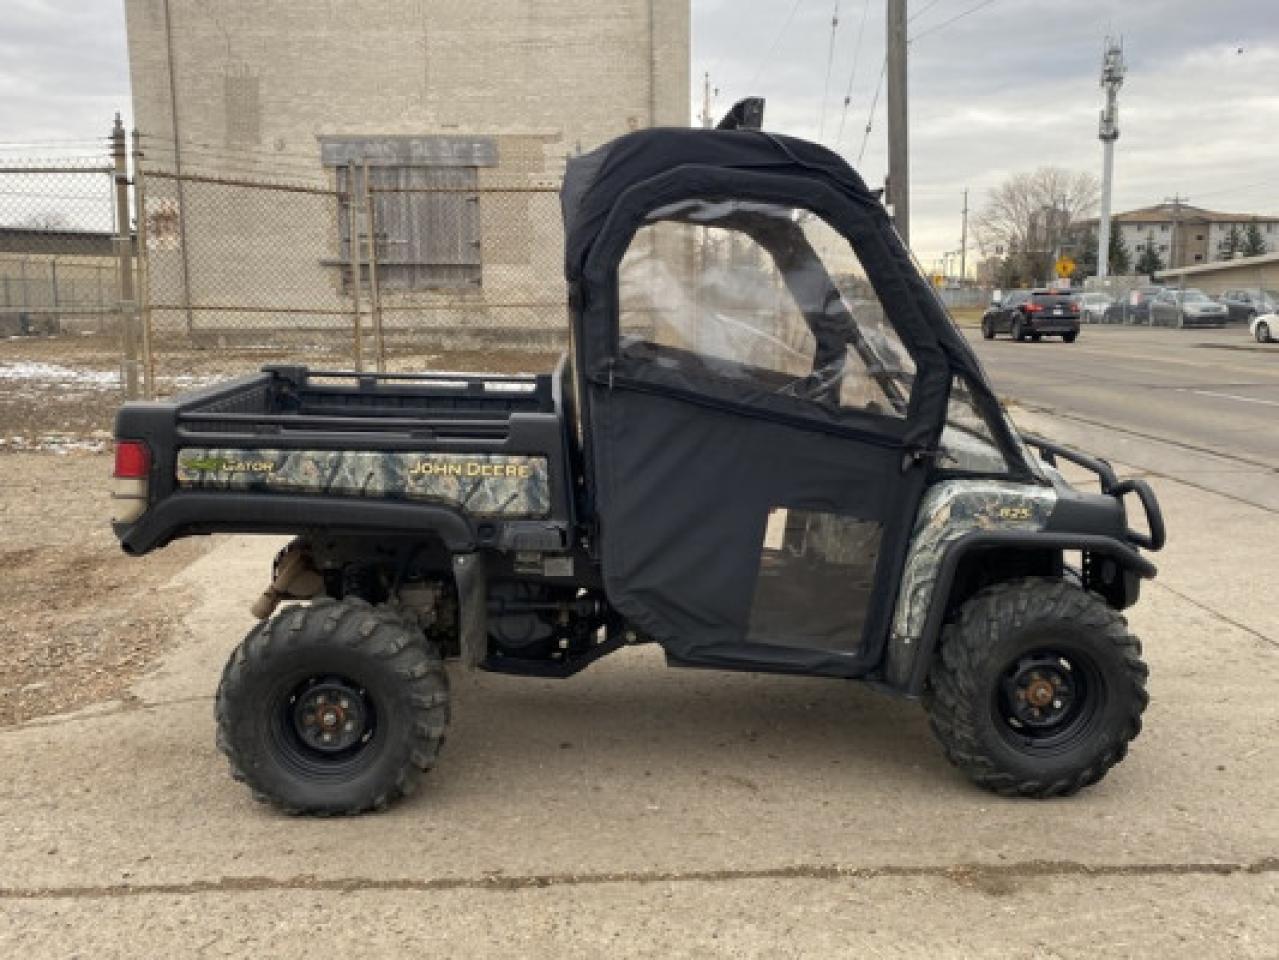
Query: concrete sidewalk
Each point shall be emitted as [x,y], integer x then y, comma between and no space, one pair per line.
[641,811]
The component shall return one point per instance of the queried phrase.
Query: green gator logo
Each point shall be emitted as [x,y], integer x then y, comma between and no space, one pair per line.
[205,464]
[210,464]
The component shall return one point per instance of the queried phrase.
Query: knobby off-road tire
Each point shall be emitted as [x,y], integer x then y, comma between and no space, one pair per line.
[332,708]
[1010,645]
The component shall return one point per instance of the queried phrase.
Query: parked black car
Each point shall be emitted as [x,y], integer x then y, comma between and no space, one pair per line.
[1135,308]
[1244,305]
[1032,314]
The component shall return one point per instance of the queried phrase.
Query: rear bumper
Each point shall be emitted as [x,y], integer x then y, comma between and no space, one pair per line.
[1055,325]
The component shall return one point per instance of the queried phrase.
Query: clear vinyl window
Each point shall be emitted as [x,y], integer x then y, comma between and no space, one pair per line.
[769,297]
[816,580]
[967,442]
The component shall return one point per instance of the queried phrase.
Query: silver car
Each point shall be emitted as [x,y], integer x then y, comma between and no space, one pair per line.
[1187,308]
[1093,306]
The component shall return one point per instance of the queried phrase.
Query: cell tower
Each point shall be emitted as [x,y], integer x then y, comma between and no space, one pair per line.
[1112,78]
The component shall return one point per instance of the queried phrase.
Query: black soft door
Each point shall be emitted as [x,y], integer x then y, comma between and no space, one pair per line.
[749,443]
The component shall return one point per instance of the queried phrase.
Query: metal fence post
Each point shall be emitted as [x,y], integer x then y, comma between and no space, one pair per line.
[144,268]
[353,237]
[124,244]
[375,296]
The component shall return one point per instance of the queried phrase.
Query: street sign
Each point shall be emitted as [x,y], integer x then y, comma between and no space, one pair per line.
[1064,266]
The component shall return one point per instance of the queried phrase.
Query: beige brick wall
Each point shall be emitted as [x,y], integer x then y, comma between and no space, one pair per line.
[257,84]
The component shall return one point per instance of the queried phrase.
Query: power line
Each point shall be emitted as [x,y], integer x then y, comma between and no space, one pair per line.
[870,115]
[776,42]
[946,23]
[852,74]
[830,62]
[919,13]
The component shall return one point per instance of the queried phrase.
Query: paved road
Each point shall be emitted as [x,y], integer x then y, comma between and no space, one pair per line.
[1208,399]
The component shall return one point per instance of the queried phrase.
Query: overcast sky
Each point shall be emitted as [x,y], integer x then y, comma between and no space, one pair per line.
[1010,86]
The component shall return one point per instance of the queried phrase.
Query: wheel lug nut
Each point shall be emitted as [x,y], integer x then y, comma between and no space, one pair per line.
[1056,704]
[327,737]
[349,726]
[344,703]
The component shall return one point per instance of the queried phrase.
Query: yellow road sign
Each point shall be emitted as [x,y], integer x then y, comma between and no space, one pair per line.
[1065,266]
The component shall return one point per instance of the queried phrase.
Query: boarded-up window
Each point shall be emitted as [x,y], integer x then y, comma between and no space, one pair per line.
[426,206]
[426,225]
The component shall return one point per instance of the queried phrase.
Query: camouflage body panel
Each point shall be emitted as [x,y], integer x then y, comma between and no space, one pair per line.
[948,511]
[480,484]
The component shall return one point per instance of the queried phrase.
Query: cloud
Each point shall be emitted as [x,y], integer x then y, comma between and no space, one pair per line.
[1014,86]
[1010,87]
[64,70]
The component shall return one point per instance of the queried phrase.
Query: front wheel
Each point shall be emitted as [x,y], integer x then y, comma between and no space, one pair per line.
[1038,689]
[1263,332]
[988,329]
[332,708]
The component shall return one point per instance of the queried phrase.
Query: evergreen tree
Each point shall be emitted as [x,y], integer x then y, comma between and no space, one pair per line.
[1254,244]
[1086,260]
[1119,257]
[1149,263]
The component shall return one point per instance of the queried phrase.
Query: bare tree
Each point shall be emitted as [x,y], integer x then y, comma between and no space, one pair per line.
[1030,212]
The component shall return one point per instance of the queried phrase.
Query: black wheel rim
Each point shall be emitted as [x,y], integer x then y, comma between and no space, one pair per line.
[1047,699]
[324,726]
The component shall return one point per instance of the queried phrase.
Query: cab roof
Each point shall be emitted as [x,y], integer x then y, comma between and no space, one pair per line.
[594,181]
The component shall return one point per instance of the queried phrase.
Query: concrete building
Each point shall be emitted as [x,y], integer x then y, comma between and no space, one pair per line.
[460,96]
[1184,235]
[1243,273]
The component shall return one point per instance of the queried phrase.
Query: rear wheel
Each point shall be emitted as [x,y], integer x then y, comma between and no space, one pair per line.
[1070,337]
[1019,330]
[1038,689]
[333,708]
[1263,332]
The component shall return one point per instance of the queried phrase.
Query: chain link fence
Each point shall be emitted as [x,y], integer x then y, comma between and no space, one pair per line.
[59,269]
[365,267]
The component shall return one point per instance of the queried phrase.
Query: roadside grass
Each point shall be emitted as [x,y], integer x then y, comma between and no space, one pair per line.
[967,316]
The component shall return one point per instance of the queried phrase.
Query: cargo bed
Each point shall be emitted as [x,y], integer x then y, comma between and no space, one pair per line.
[479,459]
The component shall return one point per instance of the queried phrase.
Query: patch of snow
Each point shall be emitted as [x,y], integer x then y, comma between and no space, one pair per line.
[55,373]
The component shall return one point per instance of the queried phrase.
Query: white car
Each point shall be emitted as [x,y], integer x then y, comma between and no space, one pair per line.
[1093,306]
[1265,328]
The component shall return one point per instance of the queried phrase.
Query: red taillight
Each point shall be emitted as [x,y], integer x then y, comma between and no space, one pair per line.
[132,460]
[1033,308]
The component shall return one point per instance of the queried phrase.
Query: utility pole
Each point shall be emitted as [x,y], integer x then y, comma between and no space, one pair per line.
[706,100]
[1112,78]
[897,188]
[124,254]
[963,243]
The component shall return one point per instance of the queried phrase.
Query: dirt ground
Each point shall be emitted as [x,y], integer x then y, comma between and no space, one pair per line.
[80,621]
